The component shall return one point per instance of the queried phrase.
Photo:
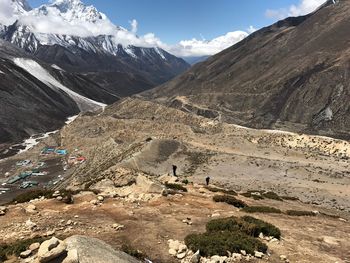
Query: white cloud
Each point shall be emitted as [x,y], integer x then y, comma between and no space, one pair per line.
[6,12]
[134,25]
[195,47]
[302,8]
[251,29]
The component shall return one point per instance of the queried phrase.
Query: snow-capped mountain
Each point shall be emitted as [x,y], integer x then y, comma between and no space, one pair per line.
[77,26]
[79,38]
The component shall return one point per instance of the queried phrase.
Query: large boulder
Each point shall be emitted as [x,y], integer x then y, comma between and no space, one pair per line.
[91,250]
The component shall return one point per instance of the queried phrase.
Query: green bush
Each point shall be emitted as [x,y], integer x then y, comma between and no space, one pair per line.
[15,249]
[229,200]
[261,209]
[258,226]
[219,243]
[218,190]
[272,195]
[300,213]
[185,181]
[176,187]
[249,225]
[34,194]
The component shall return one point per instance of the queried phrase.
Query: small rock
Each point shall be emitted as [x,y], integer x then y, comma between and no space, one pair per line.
[56,194]
[174,244]
[243,252]
[25,254]
[100,198]
[217,259]
[34,246]
[283,257]
[258,254]
[215,215]
[59,198]
[31,225]
[181,255]
[261,236]
[118,226]
[236,256]
[94,202]
[31,207]
[69,222]
[182,248]
[172,252]
[50,233]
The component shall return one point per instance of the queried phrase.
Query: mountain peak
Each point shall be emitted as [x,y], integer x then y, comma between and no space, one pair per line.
[20,6]
[72,10]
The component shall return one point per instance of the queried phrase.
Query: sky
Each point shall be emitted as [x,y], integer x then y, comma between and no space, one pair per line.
[196,27]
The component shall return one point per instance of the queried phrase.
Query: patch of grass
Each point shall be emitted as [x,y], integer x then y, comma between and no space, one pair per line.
[185,181]
[229,200]
[300,213]
[218,190]
[15,249]
[219,243]
[177,187]
[34,194]
[133,252]
[247,224]
[272,195]
[261,209]
[259,195]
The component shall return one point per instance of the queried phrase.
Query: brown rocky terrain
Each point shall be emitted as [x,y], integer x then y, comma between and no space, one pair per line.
[130,149]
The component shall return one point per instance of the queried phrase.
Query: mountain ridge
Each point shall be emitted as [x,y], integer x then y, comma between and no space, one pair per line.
[286,76]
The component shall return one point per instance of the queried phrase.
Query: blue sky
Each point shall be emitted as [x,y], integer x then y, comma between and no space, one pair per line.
[175,20]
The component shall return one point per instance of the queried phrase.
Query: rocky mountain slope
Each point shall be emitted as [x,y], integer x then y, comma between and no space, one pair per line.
[33,100]
[293,75]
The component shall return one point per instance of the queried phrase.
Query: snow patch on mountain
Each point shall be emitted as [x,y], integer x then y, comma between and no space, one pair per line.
[160,53]
[35,69]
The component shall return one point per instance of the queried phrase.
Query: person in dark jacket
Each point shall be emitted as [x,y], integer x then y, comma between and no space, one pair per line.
[174,170]
[207,180]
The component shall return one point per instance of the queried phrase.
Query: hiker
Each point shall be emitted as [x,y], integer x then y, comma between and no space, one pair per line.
[174,170]
[207,180]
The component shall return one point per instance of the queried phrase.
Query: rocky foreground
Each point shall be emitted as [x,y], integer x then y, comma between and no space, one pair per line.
[153,221]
